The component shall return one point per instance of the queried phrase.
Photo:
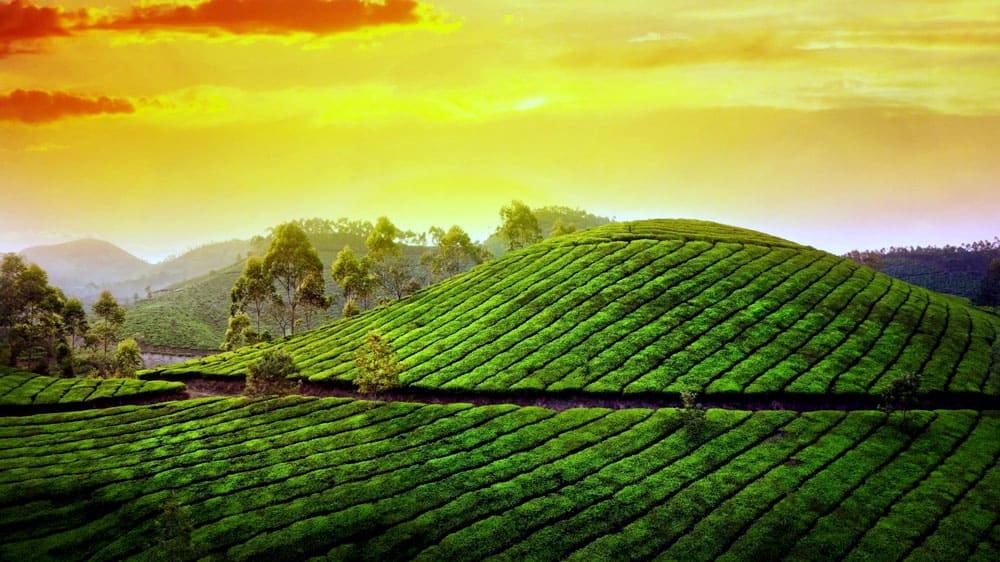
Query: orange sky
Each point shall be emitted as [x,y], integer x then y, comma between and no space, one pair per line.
[160,125]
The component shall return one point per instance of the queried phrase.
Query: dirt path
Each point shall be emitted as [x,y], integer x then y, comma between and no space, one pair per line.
[200,387]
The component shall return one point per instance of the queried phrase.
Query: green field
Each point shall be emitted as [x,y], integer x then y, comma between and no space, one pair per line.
[22,389]
[302,477]
[660,306]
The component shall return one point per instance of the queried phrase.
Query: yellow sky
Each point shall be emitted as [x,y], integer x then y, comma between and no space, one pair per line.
[840,125]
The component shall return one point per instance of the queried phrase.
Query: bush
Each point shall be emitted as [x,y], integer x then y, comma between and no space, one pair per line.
[692,413]
[379,367]
[269,375]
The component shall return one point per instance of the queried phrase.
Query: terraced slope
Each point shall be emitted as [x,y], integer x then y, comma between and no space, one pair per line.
[22,390]
[661,306]
[301,477]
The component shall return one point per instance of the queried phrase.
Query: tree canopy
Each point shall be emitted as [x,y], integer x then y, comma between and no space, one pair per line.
[519,226]
[289,261]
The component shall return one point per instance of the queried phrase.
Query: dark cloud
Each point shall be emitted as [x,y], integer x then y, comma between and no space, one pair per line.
[36,106]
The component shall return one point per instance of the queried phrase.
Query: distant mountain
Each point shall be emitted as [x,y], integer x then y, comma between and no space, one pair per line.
[84,266]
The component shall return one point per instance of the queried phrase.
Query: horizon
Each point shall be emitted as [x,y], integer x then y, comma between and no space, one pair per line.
[160,129]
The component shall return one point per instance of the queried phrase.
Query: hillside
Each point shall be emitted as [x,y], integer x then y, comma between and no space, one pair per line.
[659,306]
[301,477]
[194,313]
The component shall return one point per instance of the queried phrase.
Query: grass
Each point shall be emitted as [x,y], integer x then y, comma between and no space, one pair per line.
[654,307]
[300,477]
[23,389]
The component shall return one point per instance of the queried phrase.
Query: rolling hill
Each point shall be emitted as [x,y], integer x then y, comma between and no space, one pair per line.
[300,477]
[83,267]
[654,307]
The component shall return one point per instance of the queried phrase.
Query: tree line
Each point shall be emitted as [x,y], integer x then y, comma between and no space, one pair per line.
[42,330]
[285,287]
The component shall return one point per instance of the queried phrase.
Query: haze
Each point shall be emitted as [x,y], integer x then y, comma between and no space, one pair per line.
[160,128]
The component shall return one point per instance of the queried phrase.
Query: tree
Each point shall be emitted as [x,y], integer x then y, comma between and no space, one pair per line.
[692,413]
[128,358]
[112,316]
[868,258]
[268,376]
[253,289]
[313,296]
[519,226]
[381,243]
[353,275]
[989,292]
[901,394]
[289,261]
[559,229]
[75,320]
[456,251]
[378,364]
[236,333]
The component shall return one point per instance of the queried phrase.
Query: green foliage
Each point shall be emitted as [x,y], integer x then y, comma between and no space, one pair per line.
[269,376]
[333,478]
[560,229]
[902,394]
[290,261]
[31,315]
[350,308]
[236,334]
[253,290]
[518,226]
[381,243]
[24,389]
[354,276]
[456,252]
[112,316]
[128,358]
[378,365]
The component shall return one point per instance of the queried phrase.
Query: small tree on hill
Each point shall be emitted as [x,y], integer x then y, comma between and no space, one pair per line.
[268,376]
[901,395]
[378,364]
[128,358]
[692,414]
[253,290]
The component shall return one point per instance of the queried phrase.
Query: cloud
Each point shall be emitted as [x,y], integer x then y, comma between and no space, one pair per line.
[22,25]
[36,107]
[270,17]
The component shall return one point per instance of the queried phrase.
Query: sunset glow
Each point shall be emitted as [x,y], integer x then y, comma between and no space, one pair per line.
[159,125]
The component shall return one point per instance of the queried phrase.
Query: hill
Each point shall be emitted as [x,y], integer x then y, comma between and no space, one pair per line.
[83,267]
[659,306]
[296,478]
[953,270]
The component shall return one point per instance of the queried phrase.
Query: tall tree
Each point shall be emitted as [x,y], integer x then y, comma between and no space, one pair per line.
[456,252]
[253,290]
[289,261]
[518,226]
[75,320]
[314,298]
[381,243]
[111,316]
[353,275]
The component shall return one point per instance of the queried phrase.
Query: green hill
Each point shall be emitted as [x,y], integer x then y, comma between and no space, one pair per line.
[660,306]
[296,478]
[23,391]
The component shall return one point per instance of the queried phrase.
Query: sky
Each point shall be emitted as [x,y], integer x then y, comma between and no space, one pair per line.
[163,125]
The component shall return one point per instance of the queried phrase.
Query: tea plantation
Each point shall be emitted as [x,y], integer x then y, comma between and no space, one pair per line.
[660,306]
[616,314]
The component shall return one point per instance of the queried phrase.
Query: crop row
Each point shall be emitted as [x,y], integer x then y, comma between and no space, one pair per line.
[21,389]
[300,477]
[648,316]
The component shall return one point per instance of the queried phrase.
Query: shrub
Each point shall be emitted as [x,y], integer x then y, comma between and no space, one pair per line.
[269,375]
[379,368]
